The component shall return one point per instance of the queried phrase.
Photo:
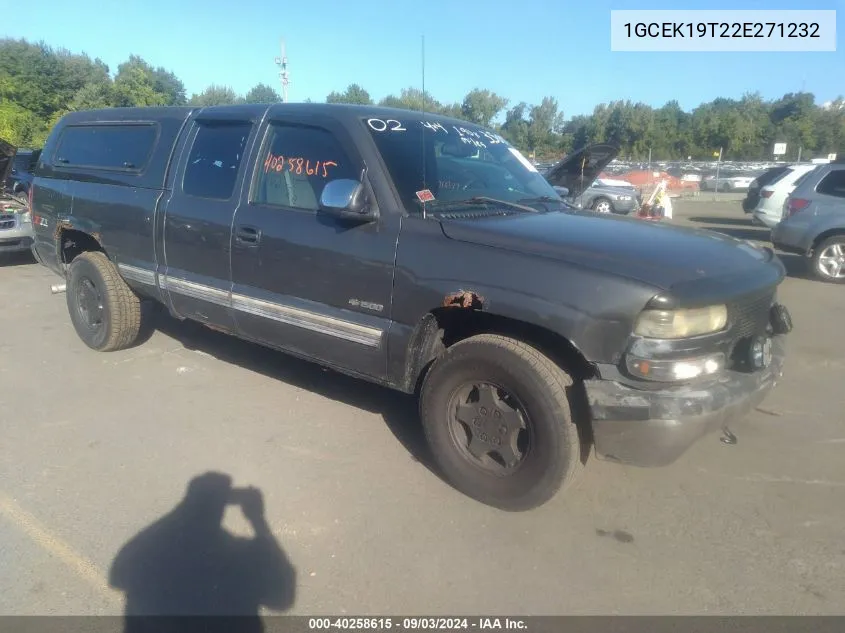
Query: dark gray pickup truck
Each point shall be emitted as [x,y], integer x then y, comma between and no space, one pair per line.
[422,253]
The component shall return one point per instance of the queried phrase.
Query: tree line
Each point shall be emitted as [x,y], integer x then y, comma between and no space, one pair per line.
[39,84]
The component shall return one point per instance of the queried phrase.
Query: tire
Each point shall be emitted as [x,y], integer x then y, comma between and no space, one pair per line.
[832,247]
[539,389]
[604,203]
[114,323]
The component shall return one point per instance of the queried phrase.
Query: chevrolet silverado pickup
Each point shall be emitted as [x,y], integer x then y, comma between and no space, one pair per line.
[422,253]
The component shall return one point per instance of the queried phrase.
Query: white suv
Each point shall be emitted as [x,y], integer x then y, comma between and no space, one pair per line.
[769,209]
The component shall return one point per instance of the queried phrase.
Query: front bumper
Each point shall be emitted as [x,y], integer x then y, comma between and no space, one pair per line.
[654,428]
[16,236]
[789,238]
[15,245]
[625,207]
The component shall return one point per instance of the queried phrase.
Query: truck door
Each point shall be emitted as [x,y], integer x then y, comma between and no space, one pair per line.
[198,220]
[302,281]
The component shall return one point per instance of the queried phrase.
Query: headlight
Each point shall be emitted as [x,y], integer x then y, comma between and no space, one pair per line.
[26,217]
[672,324]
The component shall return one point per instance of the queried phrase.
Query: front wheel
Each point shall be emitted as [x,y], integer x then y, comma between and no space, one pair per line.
[602,205]
[105,312]
[496,415]
[829,260]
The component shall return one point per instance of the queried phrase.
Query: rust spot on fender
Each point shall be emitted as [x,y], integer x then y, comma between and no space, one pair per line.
[61,225]
[464,299]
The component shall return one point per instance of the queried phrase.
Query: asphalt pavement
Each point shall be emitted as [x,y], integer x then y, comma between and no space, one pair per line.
[96,449]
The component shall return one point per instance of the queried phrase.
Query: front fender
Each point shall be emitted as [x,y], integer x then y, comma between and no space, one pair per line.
[580,316]
[593,310]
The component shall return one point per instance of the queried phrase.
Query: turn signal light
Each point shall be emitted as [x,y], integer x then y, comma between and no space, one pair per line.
[675,370]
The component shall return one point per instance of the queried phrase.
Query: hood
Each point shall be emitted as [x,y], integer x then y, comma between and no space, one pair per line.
[612,182]
[655,254]
[615,190]
[578,170]
[7,157]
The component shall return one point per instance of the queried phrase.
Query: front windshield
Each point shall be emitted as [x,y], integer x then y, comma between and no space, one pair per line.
[438,163]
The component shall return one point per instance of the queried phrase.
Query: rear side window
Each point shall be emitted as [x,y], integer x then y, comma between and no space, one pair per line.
[769,176]
[803,177]
[121,147]
[780,176]
[215,157]
[833,184]
[296,164]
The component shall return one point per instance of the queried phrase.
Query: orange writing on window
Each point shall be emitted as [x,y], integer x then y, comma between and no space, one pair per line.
[298,165]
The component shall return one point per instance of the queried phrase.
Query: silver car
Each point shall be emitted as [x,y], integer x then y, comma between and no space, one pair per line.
[813,221]
[575,178]
[16,234]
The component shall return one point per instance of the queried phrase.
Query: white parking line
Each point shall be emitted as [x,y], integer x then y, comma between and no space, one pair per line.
[52,544]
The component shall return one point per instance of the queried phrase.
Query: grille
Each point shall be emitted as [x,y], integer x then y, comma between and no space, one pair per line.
[7,221]
[750,315]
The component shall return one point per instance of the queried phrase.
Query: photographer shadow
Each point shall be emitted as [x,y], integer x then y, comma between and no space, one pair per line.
[187,564]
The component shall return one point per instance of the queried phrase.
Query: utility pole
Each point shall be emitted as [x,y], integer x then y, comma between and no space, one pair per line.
[284,76]
[718,165]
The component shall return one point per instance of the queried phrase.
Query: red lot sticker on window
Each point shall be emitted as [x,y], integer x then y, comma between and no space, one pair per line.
[425,195]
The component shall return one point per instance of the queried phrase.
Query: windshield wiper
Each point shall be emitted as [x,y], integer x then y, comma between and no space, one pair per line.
[476,200]
[544,200]
[540,199]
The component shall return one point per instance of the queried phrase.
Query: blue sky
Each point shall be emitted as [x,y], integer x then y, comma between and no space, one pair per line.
[522,49]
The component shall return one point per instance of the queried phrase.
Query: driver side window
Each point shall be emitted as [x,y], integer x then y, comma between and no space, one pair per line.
[296,163]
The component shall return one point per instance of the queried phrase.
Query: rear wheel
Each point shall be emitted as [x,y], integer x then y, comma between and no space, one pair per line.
[105,312]
[829,260]
[496,415]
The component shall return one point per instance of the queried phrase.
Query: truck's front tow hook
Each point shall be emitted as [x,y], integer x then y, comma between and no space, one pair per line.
[58,288]
[727,437]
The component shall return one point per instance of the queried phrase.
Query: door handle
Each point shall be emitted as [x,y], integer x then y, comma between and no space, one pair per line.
[248,235]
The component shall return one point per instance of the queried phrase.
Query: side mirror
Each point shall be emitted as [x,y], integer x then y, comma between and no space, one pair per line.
[562,191]
[346,199]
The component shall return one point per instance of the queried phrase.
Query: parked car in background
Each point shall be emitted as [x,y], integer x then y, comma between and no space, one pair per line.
[15,219]
[575,178]
[18,180]
[813,223]
[753,195]
[604,199]
[769,209]
[725,183]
